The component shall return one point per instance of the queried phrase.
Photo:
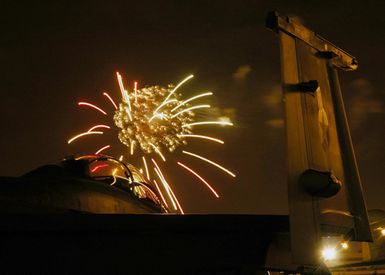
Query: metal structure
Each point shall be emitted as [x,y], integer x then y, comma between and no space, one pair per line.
[325,193]
[83,184]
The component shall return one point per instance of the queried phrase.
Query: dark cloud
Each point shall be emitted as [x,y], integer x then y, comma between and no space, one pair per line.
[362,102]
[242,72]
[273,102]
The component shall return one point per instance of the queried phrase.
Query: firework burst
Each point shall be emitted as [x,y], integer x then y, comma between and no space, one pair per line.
[156,120]
[141,127]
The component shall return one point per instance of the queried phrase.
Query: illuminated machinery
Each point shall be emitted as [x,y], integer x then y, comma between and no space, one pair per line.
[89,184]
[348,258]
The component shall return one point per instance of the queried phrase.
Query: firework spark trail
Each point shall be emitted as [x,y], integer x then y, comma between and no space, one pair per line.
[210,161]
[102,149]
[132,147]
[204,137]
[84,134]
[125,96]
[135,91]
[162,115]
[127,109]
[173,91]
[177,202]
[190,109]
[98,126]
[208,123]
[199,177]
[167,102]
[92,106]
[165,185]
[158,152]
[111,100]
[145,166]
[164,182]
[191,99]
[121,86]
[160,193]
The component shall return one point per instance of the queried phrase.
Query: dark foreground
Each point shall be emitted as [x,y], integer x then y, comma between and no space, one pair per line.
[136,244]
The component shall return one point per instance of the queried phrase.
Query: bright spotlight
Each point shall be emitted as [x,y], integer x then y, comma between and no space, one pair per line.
[329,253]
[344,245]
[383,232]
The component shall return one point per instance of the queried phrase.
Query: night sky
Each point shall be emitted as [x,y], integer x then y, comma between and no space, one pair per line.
[56,53]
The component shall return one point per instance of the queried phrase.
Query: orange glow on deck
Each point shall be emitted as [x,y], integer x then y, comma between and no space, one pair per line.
[98,167]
